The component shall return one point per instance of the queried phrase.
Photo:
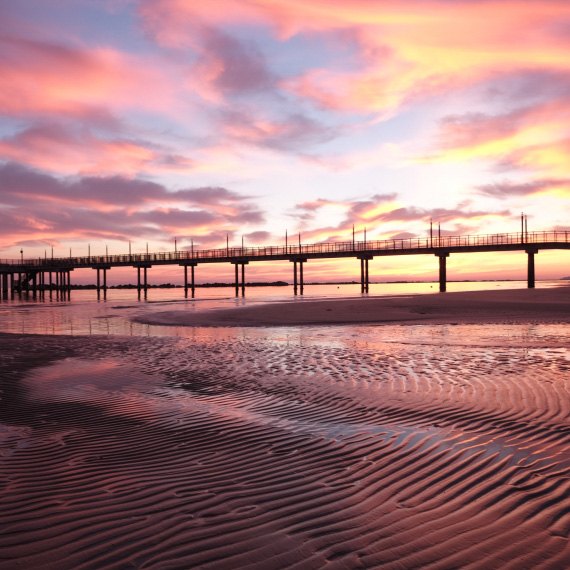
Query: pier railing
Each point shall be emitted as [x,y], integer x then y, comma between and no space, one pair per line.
[418,244]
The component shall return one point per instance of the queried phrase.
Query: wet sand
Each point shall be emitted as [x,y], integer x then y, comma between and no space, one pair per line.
[516,305]
[393,447]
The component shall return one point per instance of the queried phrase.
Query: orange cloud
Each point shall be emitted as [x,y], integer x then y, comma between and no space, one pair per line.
[535,138]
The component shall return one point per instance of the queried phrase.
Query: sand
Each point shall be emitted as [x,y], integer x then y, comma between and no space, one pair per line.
[516,305]
[338,447]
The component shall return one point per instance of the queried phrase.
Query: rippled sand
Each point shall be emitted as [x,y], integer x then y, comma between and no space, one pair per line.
[355,447]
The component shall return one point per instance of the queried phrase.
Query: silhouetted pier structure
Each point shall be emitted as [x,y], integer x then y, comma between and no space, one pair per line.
[41,275]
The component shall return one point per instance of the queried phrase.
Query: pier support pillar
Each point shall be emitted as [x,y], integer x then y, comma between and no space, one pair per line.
[364,275]
[298,283]
[101,286]
[294,277]
[238,285]
[142,284]
[192,282]
[531,280]
[442,271]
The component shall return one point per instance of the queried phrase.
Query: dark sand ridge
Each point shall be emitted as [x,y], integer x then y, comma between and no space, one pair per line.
[515,305]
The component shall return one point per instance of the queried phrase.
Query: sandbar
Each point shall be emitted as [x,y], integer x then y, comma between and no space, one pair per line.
[500,306]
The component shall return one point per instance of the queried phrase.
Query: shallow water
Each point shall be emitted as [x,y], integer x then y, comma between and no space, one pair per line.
[84,314]
[394,446]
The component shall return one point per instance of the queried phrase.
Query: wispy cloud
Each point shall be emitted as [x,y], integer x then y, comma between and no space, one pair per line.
[38,204]
[508,189]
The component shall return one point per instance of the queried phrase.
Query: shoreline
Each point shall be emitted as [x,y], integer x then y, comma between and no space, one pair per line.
[470,307]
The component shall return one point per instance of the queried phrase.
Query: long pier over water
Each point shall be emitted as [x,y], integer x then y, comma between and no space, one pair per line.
[38,275]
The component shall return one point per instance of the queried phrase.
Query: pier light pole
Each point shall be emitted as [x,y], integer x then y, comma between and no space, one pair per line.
[353,238]
[227,245]
[147,247]
[242,245]
[52,251]
[175,250]
[192,247]
[299,242]
[129,248]
[106,250]
[286,241]
[431,233]
[22,255]
[88,250]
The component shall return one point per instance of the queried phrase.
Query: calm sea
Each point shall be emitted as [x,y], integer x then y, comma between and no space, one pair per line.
[84,314]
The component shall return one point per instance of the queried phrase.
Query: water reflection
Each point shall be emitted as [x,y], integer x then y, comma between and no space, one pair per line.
[85,315]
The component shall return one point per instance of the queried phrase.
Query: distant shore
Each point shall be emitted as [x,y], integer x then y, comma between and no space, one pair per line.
[508,305]
[93,286]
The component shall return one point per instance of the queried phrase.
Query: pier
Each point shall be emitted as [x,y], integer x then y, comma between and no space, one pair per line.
[39,276]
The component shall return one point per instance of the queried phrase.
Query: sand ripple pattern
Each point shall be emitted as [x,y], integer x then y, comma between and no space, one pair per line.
[245,450]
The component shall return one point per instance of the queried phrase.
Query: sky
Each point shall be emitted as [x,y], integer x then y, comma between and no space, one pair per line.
[150,121]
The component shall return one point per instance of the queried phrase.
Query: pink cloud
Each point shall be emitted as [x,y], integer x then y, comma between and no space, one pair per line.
[379,213]
[40,77]
[51,146]
[38,206]
[292,132]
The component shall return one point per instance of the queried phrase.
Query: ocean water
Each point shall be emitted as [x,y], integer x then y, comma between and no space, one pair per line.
[84,314]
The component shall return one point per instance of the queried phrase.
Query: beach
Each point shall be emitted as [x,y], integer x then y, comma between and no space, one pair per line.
[406,432]
[514,305]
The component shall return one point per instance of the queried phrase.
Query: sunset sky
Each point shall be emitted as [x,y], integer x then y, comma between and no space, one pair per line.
[151,120]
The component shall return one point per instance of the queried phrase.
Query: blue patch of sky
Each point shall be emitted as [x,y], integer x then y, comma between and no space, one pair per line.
[294,56]
[89,23]
[10,126]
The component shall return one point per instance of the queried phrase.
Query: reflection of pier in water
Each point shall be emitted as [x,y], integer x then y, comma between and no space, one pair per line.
[41,275]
